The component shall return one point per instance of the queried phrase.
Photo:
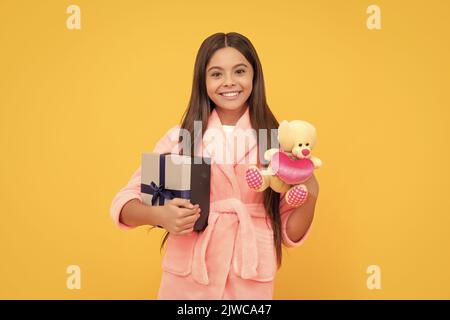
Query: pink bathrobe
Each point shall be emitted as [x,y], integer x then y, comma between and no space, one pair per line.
[234,257]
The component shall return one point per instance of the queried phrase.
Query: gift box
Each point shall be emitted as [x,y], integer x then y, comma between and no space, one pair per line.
[168,176]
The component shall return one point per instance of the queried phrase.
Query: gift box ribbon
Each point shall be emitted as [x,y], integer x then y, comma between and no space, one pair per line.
[160,192]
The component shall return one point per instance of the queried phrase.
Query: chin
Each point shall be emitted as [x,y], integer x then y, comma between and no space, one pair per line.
[231,105]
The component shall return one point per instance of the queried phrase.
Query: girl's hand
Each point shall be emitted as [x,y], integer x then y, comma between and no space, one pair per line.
[180,216]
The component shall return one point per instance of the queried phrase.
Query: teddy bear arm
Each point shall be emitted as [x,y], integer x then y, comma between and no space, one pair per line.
[269,154]
[317,162]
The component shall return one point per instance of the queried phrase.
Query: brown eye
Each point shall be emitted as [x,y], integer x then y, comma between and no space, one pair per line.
[300,144]
[307,144]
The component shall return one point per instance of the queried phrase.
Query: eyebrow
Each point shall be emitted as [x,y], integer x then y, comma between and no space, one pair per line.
[238,65]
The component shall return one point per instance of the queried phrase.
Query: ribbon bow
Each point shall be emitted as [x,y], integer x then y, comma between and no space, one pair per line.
[160,192]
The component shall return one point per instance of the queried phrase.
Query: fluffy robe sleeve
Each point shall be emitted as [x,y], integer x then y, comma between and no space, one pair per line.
[132,190]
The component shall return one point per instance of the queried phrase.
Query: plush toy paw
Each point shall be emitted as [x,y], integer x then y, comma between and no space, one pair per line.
[296,196]
[254,178]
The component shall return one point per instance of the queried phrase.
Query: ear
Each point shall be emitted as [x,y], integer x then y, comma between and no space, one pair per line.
[313,134]
[285,137]
[282,128]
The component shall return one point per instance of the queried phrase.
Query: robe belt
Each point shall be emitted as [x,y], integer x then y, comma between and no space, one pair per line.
[245,239]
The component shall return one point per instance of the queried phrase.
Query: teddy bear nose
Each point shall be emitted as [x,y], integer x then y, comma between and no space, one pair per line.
[305,152]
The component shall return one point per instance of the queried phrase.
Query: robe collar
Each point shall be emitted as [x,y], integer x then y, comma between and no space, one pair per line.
[239,156]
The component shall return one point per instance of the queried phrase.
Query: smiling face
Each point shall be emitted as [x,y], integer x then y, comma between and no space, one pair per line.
[229,78]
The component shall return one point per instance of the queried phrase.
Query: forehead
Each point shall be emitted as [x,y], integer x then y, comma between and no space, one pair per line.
[227,58]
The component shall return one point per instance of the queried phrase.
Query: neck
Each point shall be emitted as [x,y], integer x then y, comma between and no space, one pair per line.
[230,117]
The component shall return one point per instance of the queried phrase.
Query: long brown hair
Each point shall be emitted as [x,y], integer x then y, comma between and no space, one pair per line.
[200,107]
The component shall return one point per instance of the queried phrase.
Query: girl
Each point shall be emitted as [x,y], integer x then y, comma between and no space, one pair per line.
[238,254]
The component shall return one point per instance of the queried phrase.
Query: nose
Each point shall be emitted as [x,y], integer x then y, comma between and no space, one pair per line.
[229,81]
[305,152]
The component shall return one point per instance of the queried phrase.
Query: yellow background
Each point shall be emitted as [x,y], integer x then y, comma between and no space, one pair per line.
[79,106]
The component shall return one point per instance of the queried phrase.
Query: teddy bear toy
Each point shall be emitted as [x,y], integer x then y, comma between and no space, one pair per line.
[290,165]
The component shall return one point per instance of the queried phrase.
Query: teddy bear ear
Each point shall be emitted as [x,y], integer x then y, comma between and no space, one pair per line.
[282,127]
[285,137]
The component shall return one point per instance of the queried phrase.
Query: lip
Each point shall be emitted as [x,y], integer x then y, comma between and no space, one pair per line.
[231,98]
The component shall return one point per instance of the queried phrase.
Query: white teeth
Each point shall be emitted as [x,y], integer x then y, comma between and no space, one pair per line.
[230,94]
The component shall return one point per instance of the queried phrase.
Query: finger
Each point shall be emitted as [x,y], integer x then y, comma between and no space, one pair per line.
[188,212]
[184,203]
[180,202]
[186,231]
[185,227]
[189,220]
